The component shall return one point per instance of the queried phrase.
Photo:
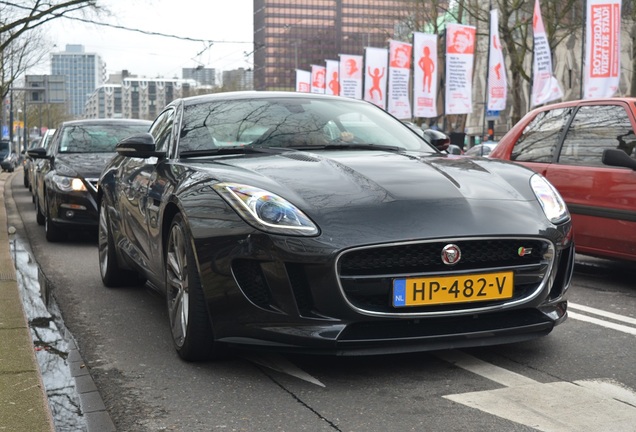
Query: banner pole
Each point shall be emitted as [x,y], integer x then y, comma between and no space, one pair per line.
[483,127]
[583,42]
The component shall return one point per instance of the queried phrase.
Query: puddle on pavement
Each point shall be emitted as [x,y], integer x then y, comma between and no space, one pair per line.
[50,341]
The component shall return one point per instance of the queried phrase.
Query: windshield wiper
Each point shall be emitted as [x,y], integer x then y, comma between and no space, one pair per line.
[351,146]
[232,150]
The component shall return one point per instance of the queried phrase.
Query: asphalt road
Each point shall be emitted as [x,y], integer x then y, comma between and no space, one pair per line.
[579,378]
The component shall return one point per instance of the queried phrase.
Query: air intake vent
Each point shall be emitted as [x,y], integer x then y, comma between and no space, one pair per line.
[303,157]
[250,278]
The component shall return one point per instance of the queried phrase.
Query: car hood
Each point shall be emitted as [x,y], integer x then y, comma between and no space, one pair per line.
[87,165]
[402,193]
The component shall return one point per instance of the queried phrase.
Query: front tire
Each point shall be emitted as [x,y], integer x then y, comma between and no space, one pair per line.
[39,215]
[190,325]
[112,274]
[54,233]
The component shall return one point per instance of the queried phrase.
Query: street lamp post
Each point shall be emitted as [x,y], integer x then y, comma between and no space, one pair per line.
[19,135]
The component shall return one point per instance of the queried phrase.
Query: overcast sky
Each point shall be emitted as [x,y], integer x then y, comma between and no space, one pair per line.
[228,24]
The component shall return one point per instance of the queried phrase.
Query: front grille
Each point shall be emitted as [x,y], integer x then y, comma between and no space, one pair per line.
[366,274]
[426,257]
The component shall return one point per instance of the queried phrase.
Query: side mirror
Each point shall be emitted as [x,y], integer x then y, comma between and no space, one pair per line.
[139,146]
[618,158]
[438,139]
[38,153]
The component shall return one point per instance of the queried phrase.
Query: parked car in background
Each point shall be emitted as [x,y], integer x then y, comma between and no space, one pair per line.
[65,196]
[316,223]
[586,149]
[27,162]
[36,178]
[8,156]
[482,149]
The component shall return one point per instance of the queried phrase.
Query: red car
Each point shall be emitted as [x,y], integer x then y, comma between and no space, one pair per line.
[586,149]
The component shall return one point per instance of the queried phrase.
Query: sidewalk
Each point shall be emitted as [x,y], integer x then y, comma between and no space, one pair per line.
[23,401]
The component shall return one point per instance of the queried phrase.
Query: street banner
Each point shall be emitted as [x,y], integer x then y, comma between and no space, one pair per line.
[333,77]
[460,53]
[351,76]
[303,81]
[399,79]
[375,76]
[425,75]
[318,78]
[602,48]
[545,87]
[497,84]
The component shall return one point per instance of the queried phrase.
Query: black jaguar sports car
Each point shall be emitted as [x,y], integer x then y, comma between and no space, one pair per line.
[314,223]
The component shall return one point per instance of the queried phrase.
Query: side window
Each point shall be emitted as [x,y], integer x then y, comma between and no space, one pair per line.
[539,139]
[161,129]
[594,129]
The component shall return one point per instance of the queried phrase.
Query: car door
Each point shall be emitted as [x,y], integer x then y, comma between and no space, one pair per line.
[601,198]
[139,204]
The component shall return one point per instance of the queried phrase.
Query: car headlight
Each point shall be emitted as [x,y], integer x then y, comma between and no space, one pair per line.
[66,179]
[553,205]
[265,210]
[68,184]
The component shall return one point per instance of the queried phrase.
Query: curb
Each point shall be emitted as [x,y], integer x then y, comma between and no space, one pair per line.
[23,401]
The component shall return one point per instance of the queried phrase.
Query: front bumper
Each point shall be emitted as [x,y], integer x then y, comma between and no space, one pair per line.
[78,209]
[279,295]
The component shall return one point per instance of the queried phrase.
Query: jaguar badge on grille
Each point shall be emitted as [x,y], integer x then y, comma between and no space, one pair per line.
[451,254]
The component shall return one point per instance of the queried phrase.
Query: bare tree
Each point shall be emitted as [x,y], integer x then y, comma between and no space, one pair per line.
[561,19]
[20,21]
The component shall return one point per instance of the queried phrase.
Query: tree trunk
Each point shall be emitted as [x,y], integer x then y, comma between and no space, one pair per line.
[517,97]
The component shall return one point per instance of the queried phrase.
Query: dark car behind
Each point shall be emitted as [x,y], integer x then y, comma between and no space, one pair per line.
[66,191]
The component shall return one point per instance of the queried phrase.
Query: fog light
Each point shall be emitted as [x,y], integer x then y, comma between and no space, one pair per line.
[70,214]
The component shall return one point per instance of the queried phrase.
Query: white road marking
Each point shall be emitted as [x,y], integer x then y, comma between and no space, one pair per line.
[484,369]
[582,406]
[608,324]
[554,407]
[602,313]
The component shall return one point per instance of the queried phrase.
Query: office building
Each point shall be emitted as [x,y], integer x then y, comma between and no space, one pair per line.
[84,72]
[45,89]
[202,75]
[138,98]
[238,79]
[294,34]
[105,102]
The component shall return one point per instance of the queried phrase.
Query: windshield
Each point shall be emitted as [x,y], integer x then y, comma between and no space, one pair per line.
[96,138]
[292,123]
[4,147]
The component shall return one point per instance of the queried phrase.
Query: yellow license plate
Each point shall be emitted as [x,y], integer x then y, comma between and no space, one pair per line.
[452,289]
